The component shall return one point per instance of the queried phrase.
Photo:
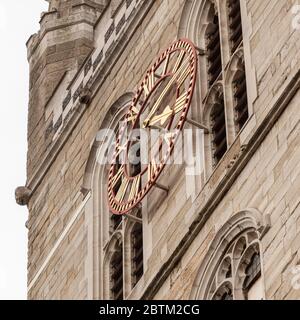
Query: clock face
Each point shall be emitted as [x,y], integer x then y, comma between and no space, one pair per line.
[158,110]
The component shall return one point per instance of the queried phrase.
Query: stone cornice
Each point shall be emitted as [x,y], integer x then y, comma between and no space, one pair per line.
[223,187]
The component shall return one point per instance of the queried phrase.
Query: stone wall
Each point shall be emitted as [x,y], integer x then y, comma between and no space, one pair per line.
[264,174]
[269,183]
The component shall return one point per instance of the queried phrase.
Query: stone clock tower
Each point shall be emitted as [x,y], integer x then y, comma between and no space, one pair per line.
[226,75]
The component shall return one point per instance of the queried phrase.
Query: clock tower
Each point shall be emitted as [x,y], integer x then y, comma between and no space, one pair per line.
[213,213]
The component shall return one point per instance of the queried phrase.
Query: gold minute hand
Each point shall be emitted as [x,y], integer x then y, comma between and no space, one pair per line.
[181,70]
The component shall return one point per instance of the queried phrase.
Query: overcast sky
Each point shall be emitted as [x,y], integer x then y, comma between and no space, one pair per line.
[18,20]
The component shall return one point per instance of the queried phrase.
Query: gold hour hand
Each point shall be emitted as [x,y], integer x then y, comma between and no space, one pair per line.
[162,118]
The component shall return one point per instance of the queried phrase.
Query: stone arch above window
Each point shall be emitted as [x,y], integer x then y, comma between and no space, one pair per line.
[224,292]
[232,266]
[95,177]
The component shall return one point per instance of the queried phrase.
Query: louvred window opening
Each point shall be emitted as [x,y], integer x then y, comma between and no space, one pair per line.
[235,24]
[214,52]
[218,126]
[117,274]
[241,102]
[137,253]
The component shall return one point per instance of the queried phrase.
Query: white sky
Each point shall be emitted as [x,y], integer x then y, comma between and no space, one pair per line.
[18,20]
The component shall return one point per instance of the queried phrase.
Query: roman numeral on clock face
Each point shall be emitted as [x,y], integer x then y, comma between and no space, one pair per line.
[150,82]
[120,149]
[152,167]
[135,187]
[183,75]
[133,115]
[117,176]
[168,138]
[179,61]
[180,102]
[165,69]
[122,190]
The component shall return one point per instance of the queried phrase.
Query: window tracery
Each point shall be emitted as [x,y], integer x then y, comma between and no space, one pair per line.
[238,270]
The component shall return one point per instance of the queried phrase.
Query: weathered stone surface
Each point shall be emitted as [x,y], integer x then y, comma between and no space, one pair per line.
[268,178]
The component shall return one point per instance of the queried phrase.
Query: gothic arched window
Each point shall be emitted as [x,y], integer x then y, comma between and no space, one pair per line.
[239,271]
[237,275]
[232,268]
[216,27]
[239,87]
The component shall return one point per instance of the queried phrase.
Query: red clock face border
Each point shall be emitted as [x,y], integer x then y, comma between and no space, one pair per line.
[132,190]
